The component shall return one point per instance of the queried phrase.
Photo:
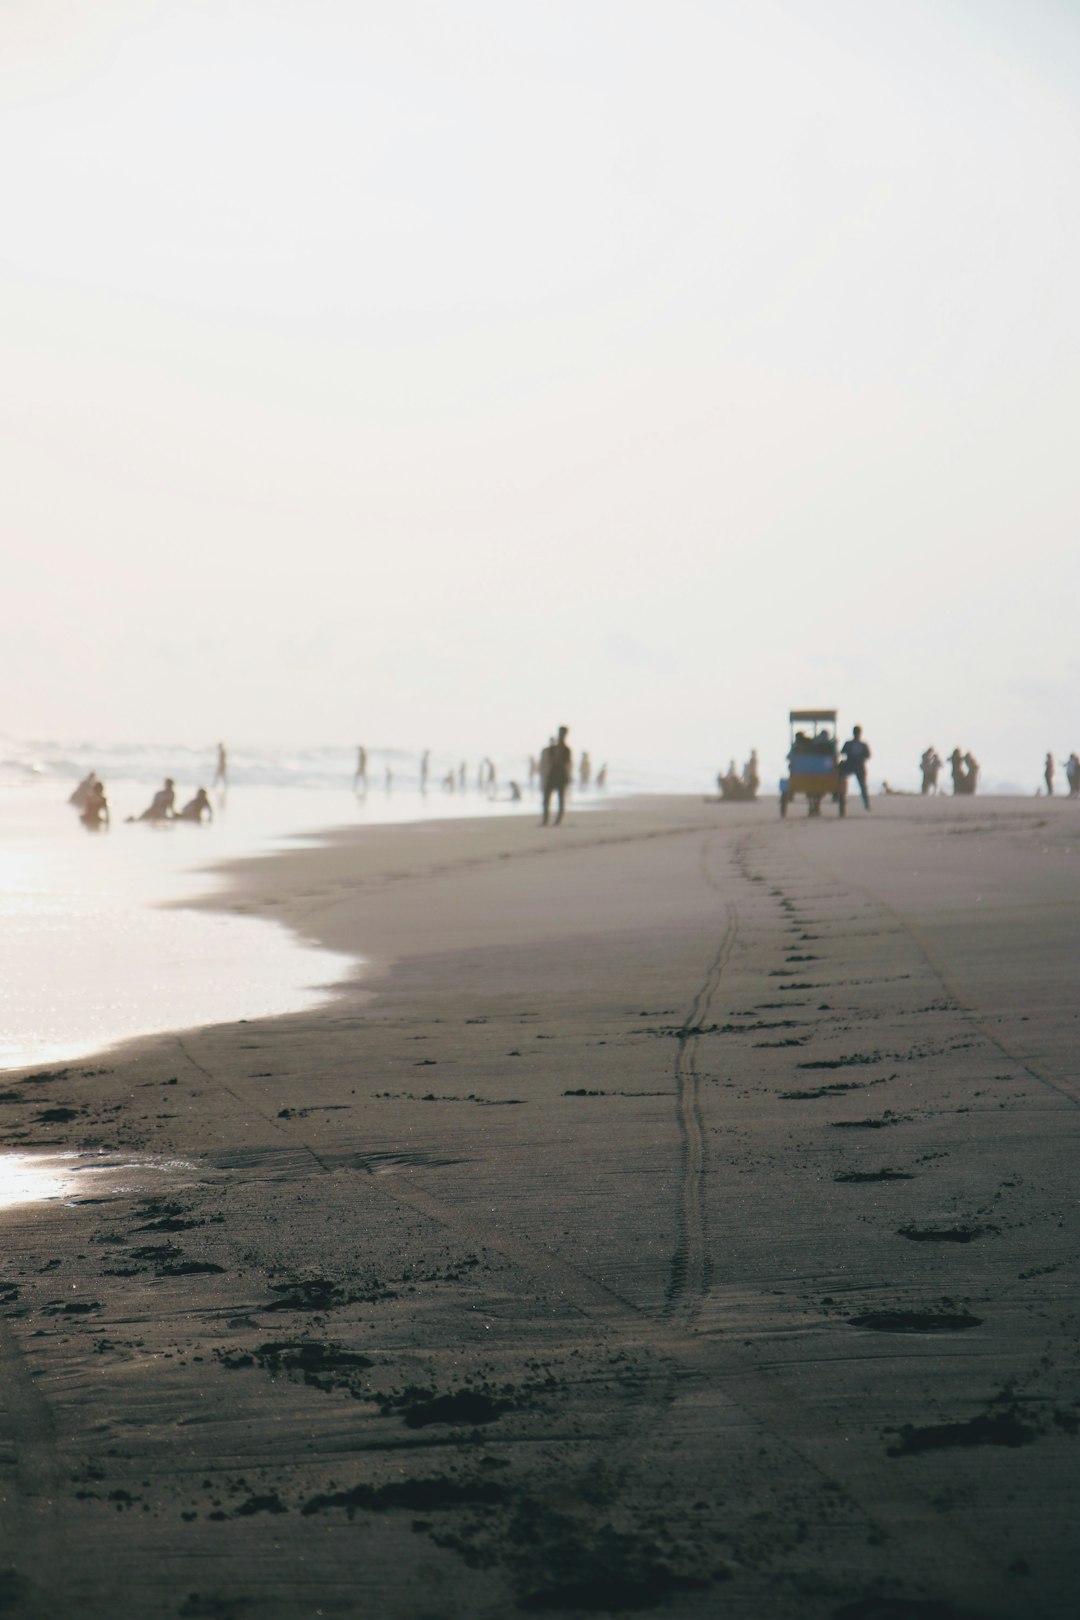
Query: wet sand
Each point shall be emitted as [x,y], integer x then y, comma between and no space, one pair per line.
[677,1211]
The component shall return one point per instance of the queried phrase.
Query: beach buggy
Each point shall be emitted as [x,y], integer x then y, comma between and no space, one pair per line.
[813,762]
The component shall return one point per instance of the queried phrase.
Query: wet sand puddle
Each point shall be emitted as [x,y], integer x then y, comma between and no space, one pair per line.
[80,1178]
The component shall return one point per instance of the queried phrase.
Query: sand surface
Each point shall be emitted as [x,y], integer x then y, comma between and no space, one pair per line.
[677,1211]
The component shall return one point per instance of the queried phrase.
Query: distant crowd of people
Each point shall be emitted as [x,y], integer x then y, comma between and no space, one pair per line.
[458,778]
[552,773]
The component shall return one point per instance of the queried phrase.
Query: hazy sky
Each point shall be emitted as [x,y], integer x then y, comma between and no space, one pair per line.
[430,373]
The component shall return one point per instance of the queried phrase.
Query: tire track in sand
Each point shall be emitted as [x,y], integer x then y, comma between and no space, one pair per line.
[691,1264]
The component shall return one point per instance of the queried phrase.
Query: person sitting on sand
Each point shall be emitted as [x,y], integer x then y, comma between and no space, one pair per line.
[193,810]
[161,806]
[84,790]
[95,810]
[558,769]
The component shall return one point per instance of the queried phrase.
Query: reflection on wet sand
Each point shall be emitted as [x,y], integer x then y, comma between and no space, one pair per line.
[35,1178]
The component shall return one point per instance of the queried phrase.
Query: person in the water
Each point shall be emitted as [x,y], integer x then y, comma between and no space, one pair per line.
[162,805]
[196,808]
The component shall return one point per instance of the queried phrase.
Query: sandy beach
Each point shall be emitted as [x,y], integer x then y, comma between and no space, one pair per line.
[674,1211]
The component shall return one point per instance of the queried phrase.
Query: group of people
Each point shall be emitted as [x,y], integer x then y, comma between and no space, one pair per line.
[93,806]
[456,779]
[90,801]
[732,785]
[964,769]
[1072,775]
[162,806]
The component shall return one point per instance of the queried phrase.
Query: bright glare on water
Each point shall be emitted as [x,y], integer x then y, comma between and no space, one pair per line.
[34,1178]
[96,947]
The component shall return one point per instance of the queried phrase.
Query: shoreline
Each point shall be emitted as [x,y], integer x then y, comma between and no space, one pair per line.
[679,1205]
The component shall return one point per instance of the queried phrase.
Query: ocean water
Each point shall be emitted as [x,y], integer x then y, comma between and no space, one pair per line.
[96,944]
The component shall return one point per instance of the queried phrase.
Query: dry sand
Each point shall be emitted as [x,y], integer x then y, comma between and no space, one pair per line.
[678,1212]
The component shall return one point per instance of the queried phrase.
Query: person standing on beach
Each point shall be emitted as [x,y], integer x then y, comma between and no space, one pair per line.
[1048,774]
[360,774]
[853,758]
[556,773]
[221,773]
[930,765]
[425,766]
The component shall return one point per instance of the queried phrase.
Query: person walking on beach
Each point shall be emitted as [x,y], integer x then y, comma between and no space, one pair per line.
[853,758]
[1048,774]
[556,773]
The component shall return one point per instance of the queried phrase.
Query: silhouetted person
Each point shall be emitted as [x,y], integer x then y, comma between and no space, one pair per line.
[196,808]
[83,791]
[95,808]
[161,805]
[449,782]
[585,771]
[1072,775]
[930,765]
[557,769]
[853,760]
[515,792]
[221,772]
[534,769]
[601,776]
[425,766]
[463,776]
[965,771]
[1048,774]
[360,774]
[751,775]
[389,779]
